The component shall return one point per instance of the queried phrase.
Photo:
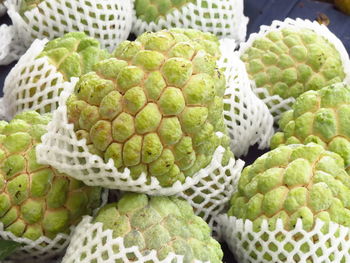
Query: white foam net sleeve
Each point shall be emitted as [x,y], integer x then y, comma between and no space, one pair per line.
[11,47]
[43,249]
[211,195]
[32,84]
[276,104]
[109,21]
[223,18]
[90,243]
[61,149]
[280,245]
[247,117]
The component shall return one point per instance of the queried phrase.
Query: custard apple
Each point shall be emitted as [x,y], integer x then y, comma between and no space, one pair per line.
[343,5]
[289,61]
[153,10]
[294,182]
[26,5]
[164,224]
[155,107]
[322,117]
[74,54]
[36,200]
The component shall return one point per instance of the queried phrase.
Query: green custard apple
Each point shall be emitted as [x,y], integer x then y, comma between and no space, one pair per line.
[294,182]
[153,10]
[322,117]
[289,61]
[36,200]
[164,224]
[74,54]
[156,106]
[26,5]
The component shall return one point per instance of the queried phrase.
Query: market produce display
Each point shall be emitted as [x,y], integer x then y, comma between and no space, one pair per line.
[119,147]
[162,224]
[321,117]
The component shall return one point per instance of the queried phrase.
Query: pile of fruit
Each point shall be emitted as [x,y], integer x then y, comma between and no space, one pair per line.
[123,152]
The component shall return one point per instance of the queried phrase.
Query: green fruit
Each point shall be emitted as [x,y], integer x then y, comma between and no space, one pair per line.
[153,108]
[321,117]
[74,54]
[153,10]
[290,61]
[26,5]
[36,200]
[164,224]
[294,182]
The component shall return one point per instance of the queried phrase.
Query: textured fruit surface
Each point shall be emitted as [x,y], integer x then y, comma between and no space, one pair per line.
[27,5]
[164,224]
[290,61]
[294,182]
[74,54]
[343,5]
[36,200]
[155,107]
[322,117]
[153,10]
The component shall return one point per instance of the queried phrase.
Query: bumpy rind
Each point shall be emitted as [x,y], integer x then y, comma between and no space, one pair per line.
[36,200]
[164,224]
[294,182]
[283,99]
[320,117]
[155,107]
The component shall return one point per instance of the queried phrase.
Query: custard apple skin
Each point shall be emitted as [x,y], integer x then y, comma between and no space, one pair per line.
[164,224]
[74,54]
[27,5]
[294,182]
[290,61]
[320,117]
[36,200]
[155,107]
[153,10]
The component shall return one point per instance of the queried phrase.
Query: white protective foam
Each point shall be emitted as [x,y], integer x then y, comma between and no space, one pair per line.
[109,21]
[276,104]
[90,242]
[43,249]
[223,18]
[247,118]
[279,245]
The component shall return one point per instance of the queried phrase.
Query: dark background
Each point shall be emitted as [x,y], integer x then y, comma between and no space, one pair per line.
[263,12]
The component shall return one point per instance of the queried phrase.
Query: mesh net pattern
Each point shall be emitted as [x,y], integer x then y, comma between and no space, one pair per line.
[32,84]
[247,117]
[90,243]
[276,104]
[281,245]
[223,18]
[61,149]
[43,249]
[108,21]
[212,194]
